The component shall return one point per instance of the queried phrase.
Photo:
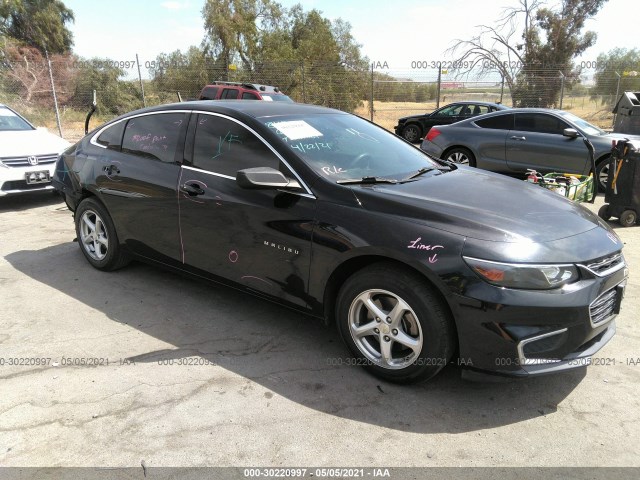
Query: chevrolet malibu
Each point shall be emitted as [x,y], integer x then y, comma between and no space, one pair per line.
[27,154]
[418,262]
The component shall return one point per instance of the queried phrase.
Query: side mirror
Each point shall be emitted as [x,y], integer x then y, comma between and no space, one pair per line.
[570,132]
[264,178]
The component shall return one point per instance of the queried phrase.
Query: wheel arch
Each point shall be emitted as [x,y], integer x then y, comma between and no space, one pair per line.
[452,147]
[354,264]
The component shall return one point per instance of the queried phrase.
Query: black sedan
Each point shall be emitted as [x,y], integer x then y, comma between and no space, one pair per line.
[335,217]
[415,127]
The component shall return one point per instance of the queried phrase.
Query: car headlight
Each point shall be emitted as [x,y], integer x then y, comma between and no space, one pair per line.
[522,275]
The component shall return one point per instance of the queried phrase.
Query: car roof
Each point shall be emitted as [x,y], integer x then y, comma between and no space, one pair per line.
[253,109]
[473,102]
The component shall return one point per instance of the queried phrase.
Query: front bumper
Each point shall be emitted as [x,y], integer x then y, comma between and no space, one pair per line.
[13,180]
[519,333]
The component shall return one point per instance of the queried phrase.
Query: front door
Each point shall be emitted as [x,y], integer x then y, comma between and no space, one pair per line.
[537,142]
[260,239]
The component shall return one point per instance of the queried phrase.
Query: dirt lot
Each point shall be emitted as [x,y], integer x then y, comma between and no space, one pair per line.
[143,365]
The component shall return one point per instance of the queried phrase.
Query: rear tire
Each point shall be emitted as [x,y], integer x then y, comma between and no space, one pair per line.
[97,236]
[460,155]
[395,324]
[412,133]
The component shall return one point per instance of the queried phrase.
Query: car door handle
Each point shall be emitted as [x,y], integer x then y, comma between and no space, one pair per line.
[522,139]
[111,169]
[191,189]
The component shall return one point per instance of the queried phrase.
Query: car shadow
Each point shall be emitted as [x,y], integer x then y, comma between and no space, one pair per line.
[289,354]
[25,201]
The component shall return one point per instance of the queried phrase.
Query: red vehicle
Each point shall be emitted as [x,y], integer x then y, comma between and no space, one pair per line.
[242,91]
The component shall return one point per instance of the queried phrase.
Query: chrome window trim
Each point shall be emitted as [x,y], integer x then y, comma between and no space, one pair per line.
[94,139]
[533,361]
[309,193]
[195,169]
[229,177]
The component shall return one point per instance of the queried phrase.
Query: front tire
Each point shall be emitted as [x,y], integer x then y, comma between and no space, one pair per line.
[97,236]
[460,155]
[394,324]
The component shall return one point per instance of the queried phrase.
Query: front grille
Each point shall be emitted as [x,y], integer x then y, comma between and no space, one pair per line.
[24,161]
[603,266]
[603,307]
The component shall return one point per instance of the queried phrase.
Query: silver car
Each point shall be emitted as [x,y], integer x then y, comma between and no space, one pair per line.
[524,138]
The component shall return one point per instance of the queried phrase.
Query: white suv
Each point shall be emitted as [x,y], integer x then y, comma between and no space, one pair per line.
[27,154]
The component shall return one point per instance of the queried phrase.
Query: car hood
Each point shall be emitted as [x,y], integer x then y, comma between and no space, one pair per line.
[30,142]
[482,205]
[620,136]
[412,117]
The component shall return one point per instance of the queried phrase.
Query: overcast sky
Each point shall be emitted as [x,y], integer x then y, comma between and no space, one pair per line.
[396,32]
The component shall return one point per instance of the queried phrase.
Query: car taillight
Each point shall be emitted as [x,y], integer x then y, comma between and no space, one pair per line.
[433,133]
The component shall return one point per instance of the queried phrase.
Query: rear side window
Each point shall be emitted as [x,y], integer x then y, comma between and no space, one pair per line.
[209,93]
[539,122]
[154,136]
[249,96]
[222,146]
[112,136]
[229,93]
[499,122]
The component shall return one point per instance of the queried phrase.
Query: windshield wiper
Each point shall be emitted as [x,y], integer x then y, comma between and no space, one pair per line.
[366,181]
[424,170]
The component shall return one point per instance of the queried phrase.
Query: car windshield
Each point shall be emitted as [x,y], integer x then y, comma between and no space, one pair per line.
[585,126]
[340,146]
[271,97]
[9,121]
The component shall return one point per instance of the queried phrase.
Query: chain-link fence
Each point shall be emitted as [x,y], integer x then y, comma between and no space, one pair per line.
[57,93]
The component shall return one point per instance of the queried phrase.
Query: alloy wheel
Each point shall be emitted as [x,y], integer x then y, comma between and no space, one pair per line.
[385,329]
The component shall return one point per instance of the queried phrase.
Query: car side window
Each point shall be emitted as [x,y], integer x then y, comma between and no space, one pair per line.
[154,136]
[223,146]
[498,122]
[209,93]
[479,109]
[540,123]
[229,93]
[450,111]
[249,96]
[112,136]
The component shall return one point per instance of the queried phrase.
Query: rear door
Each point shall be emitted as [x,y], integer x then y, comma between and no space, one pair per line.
[537,142]
[260,239]
[138,181]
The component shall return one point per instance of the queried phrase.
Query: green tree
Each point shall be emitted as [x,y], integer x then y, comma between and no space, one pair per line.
[617,71]
[114,95]
[184,72]
[279,46]
[41,24]
[532,48]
